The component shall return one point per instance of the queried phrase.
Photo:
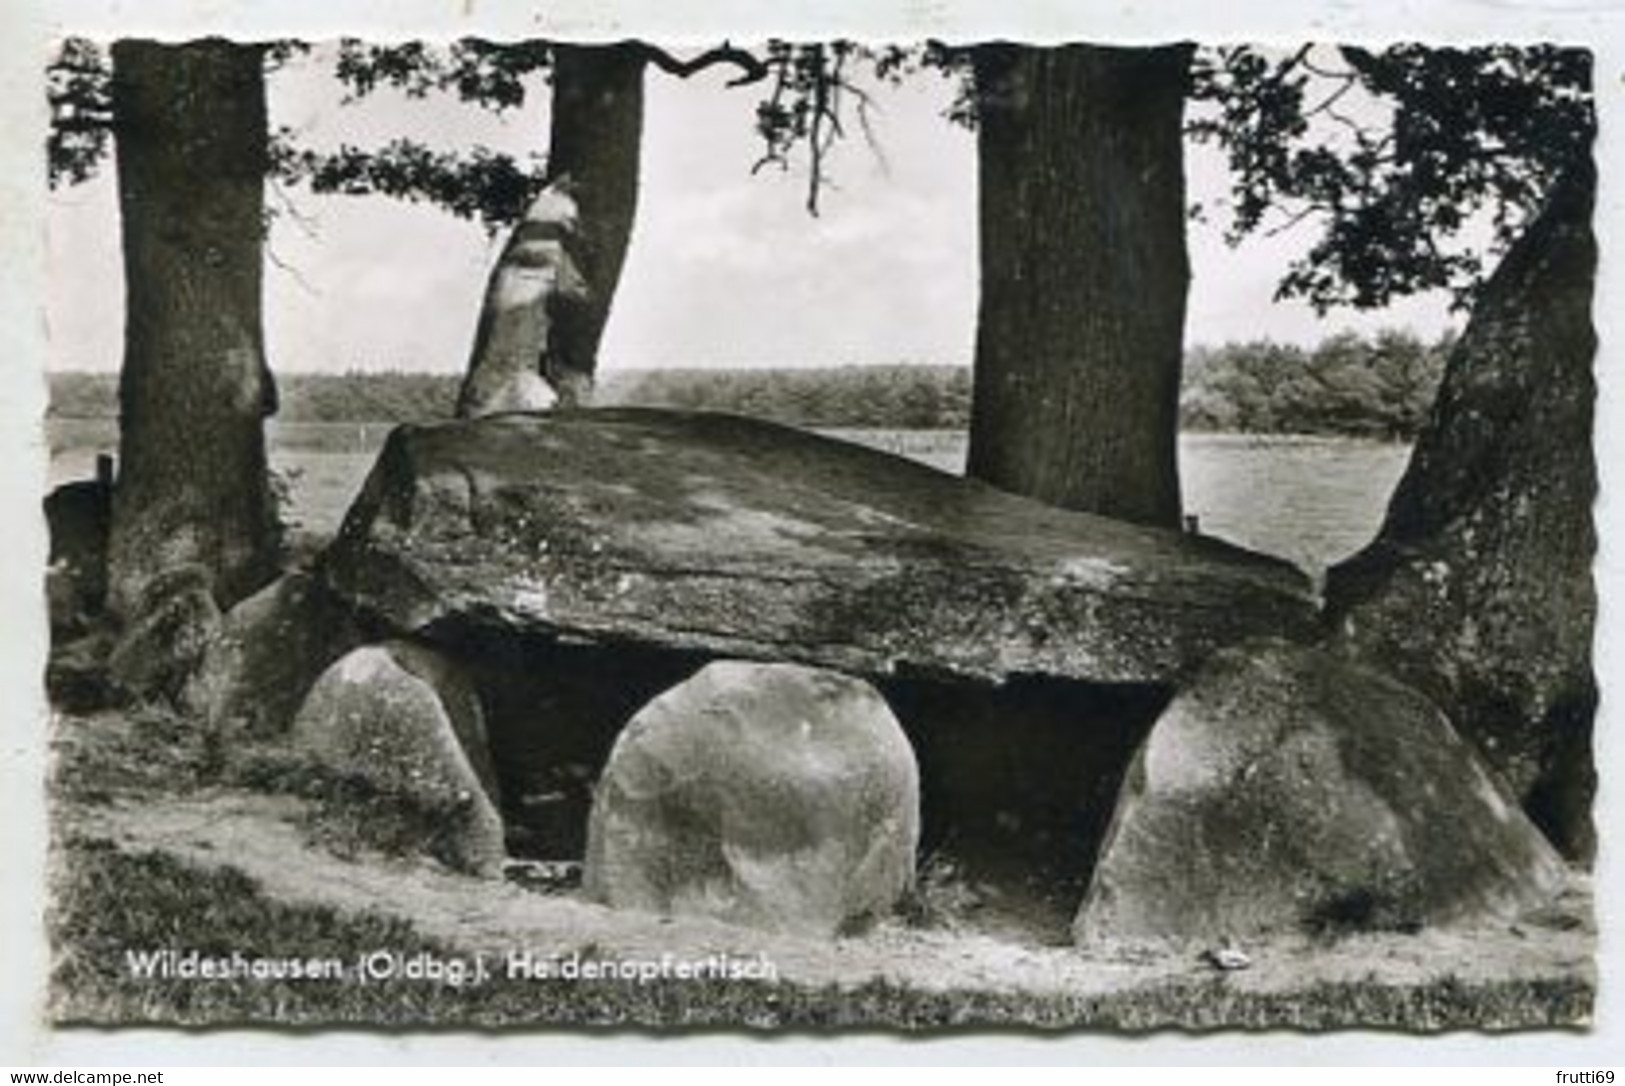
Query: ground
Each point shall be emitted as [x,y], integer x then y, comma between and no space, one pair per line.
[161,841]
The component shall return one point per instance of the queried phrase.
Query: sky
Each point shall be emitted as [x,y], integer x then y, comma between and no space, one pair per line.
[726,267]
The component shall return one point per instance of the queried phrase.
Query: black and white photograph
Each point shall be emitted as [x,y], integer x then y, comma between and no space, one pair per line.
[790,536]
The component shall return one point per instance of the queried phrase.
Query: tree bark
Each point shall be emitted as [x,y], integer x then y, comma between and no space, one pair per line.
[190,124]
[548,298]
[1478,587]
[1084,276]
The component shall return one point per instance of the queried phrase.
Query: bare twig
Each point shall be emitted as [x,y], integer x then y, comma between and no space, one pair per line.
[1300,57]
[270,254]
[1326,73]
[865,104]
[305,223]
[1349,82]
[1346,121]
[1282,227]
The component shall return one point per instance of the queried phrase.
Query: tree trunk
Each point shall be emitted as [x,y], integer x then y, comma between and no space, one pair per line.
[549,296]
[1084,276]
[194,390]
[1478,588]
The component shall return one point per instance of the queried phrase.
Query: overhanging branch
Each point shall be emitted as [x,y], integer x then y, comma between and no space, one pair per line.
[752,69]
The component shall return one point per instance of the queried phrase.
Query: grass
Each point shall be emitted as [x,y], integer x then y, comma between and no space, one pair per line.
[143,750]
[349,814]
[108,902]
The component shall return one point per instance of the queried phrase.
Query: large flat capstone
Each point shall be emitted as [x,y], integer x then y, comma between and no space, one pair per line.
[736,537]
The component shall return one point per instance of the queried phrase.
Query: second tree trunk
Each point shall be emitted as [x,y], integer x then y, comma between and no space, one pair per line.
[1084,275]
[549,296]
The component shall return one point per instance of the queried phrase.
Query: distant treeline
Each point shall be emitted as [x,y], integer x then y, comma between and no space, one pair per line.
[917,397]
[1378,386]
[303,397]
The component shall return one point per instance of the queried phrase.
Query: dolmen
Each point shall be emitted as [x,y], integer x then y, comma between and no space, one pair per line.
[747,672]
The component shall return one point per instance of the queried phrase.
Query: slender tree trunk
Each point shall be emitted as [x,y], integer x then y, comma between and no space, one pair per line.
[597,142]
[549,296]
[194,390]
[1084,276]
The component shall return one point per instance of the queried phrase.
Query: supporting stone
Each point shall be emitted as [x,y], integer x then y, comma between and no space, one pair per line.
[1287,791]
[767,795]
[398,739]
